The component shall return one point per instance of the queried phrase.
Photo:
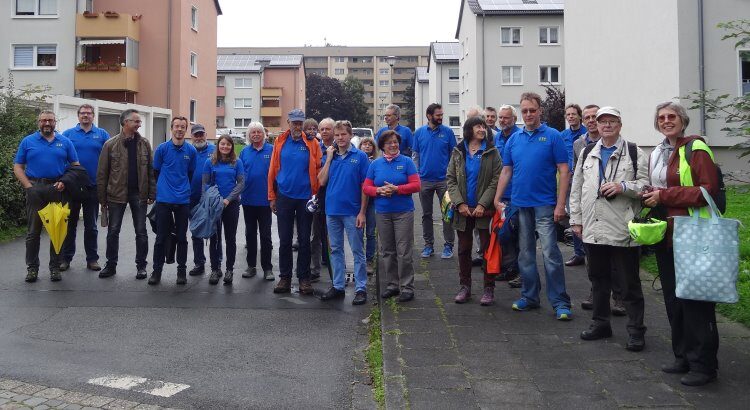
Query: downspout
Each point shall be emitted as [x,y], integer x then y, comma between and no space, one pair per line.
[169,55]
[483,71]
[701,67]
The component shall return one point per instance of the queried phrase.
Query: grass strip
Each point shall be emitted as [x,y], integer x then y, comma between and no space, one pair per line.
[374,357]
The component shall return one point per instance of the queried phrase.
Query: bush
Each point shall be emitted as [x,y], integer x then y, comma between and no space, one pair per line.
[17,119]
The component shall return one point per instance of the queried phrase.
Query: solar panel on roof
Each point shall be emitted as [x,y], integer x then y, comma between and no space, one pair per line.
[498,5]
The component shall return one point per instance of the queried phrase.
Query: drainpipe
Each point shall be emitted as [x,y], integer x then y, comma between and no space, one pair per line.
[701,67]
[484,74]
[169,55]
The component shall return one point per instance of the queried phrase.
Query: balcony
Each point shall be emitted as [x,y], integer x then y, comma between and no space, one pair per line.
[221,91]
[220,111]
[351,65]
[402,76]
[270,111]
[271,92]
[122,79]
[101,25]
[398,87]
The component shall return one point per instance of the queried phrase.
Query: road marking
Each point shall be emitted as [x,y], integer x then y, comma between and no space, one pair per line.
[139,384]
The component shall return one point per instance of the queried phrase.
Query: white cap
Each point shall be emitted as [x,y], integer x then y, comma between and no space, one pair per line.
[608,110]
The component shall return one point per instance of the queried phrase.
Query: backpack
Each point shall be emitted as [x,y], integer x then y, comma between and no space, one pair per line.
[721,197]
[204,217]
[632,152]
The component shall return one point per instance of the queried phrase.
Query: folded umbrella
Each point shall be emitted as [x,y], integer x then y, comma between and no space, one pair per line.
[55,220]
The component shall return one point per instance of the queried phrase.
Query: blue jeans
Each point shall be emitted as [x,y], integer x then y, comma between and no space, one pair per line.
[288,212]
[337,225]
[372,240]
[540,219]
[90,207]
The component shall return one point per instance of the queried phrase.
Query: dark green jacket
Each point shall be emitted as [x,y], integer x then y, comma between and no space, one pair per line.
[489,173]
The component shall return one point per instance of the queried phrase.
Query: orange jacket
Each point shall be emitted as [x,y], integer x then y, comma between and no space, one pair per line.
[315,154]
[493,255]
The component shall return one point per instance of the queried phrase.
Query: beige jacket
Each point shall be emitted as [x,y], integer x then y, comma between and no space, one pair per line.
[605,222]
[112,172]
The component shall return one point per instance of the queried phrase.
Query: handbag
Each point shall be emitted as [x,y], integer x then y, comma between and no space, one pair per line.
[645,229]
[706,256]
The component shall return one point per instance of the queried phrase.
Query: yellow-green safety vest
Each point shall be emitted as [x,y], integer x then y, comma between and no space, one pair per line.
[686,176]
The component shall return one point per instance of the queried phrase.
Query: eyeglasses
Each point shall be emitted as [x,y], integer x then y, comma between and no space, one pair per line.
[135,121]
[47,121]
[609,122]
[85,113]
[666,117]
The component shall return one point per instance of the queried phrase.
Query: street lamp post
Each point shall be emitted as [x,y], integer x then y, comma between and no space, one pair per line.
[391,60]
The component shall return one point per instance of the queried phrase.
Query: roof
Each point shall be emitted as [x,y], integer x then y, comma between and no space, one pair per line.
[218,7]
[251,62]
[422,75]
[511,8]
[444,51]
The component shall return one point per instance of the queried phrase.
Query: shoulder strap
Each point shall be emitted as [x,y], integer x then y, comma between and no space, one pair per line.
[633,152]
[586,152]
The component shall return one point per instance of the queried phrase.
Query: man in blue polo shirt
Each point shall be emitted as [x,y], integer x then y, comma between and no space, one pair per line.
[392,117]
[88,141]
[573,115]
[204,150]
[433,144]
[174,163]
[41,159]
[344,173]
[533,157]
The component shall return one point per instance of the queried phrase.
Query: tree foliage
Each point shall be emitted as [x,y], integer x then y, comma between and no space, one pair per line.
[329,97]
[410,98]
[553,107]
[355,91]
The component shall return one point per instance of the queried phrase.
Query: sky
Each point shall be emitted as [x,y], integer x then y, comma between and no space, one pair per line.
[295,23]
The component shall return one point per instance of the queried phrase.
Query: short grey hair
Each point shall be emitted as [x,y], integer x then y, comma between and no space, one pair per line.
[42,112]
[126,114]
[255,125]
[328,120]
[679,109]
[479,112]
[509,107]
[396,109]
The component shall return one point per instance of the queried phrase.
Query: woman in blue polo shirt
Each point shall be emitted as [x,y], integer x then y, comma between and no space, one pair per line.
[226,171]
[391,180]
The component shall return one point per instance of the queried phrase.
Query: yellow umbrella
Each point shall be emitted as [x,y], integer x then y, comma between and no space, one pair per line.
[55,219]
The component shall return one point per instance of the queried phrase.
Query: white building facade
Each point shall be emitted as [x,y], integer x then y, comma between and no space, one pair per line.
[443,74]
[421,96]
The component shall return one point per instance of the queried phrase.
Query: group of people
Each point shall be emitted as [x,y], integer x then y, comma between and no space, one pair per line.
[319,185]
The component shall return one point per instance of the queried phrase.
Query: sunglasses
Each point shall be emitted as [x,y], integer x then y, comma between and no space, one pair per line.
[666,117]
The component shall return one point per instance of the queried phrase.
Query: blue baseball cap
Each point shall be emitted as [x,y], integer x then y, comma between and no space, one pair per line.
[296,115]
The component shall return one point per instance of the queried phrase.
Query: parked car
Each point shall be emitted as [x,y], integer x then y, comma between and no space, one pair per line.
[359,133]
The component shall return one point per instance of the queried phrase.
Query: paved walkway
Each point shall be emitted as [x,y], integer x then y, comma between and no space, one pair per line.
[438,354]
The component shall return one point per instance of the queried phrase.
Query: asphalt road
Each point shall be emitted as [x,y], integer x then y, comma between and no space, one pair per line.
[235,347]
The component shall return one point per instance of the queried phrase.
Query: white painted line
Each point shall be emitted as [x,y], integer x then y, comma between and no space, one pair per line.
[139,384]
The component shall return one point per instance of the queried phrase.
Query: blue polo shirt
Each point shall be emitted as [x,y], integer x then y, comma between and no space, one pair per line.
[345,178]
[293,179]
[472,173]
[396,172]
[570,136]
[407,138]
[175,164]
[256,163]
[534,157]
[500,141]
[88,146]
[45,159]
[195,183]
[224,175]
[434,147]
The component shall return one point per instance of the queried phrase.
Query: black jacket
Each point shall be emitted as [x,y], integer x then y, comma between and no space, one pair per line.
[77,182]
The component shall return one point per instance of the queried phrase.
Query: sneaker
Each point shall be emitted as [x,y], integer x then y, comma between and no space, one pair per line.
[697,379]
[563,314]
[155,278]
[214,278]
[360,298]
[197,270]
[305,287]
[284,285]
[463,295]
[517,282]
[31,275]
[488,297]
[596,332]
[55,276]
[93,266]
[522,305]
[447,252]
[588,304]
[250,272]
[427,251]
[618,309]
[333,293]
[141,274]
[109,270]
[268,274]
[635,343]
[181,278]
[64,265]
[228,276]
[370,267]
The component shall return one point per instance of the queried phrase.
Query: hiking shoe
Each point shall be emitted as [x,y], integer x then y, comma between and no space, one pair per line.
[588,304]
[109,270]
[214,278]
[305,287]
[55,276]
[31,275]
[427,251]
[563,314]
[488,297]
[522,305]
[360,298]
[93,266]
[155,278]
[635,343]
[284,285]
[370,267]
[228,277]
[618,309]
[333,293]
[268,274]
[447,252]
[141,274]
[405,296]
[595,332]
[463,295]
[516,282]
[697,379]
[389,293]
[250,272]
[181,278]
[197,270]
[64,265]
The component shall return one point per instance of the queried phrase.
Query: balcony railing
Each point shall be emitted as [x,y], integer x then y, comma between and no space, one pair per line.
[107,79]
[108,25]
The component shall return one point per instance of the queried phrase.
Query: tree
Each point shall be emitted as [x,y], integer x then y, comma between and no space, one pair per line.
[408,110]
[554,107]
[355,92]
[734,111]
[326,98]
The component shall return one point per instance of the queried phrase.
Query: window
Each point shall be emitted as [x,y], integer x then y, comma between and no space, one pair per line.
[453,73]
[512,75]
[243,82]
[510,36]
[382,106]
[220,81]
[220,122]
[549,74]
[454,121]
[89,6]
[243,103]
[194,18]
[384,71]
[193,64]
[338,71]
[340,59]
[35,56]
[219,102]
[744,72]
[383,83]
[242,122]
[193,110]
[382,95]
[40,8]
[548,35]
[452,98]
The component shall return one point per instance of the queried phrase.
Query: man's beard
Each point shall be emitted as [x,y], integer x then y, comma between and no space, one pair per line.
[296,134]
[200,145]
[47,131]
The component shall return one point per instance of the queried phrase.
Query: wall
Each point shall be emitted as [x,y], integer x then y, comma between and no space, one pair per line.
[469,61]
[231,93]
[292,83]
[440,87]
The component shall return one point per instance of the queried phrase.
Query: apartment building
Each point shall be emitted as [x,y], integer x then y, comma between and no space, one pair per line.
[421,96]
[442,71]
[508,47]
[263,88]
[385,83]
